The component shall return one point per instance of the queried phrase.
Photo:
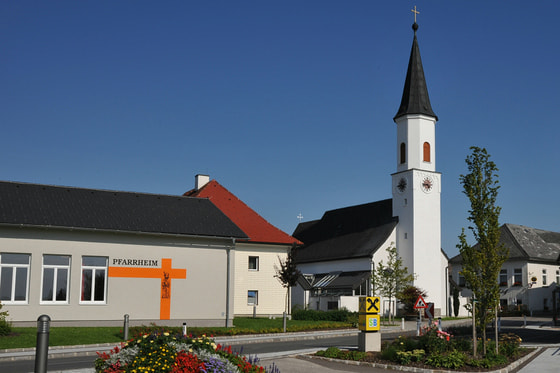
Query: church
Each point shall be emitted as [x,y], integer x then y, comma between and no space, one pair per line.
[342,248]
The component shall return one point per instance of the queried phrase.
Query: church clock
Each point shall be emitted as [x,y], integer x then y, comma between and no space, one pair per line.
[401,186]
[427,183]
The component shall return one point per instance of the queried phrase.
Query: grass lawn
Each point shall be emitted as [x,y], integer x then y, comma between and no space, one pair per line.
[69,336]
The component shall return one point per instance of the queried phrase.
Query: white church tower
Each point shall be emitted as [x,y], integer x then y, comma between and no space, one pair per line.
[417,186]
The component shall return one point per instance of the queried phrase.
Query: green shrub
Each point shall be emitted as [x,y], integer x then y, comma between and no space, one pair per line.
[342,315]
[389,353]
[5,325]
[406,357]
[452,360]
[336,353]
[509,344]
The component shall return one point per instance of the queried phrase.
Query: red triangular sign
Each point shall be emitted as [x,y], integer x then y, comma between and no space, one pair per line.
[420,303]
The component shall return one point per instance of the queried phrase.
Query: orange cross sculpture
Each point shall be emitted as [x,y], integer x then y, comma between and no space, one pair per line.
[165,273]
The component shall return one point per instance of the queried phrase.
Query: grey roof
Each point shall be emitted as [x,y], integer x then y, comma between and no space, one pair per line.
[529,244]
[24,204]
[415,99]
[350,232]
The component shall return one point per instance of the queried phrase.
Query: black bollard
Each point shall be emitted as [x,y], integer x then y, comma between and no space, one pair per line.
[125,327]
[42,349]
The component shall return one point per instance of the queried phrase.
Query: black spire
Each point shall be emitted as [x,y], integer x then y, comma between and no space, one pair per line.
[415,98]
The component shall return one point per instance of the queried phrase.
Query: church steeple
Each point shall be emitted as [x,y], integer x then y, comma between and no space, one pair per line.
[415,99]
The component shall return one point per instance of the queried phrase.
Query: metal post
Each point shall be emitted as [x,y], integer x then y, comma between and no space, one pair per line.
[184,329]
[524,321]
[254,311]
[42,349]
[284,322]
[496,330]
[125,327]
[418,322]
[439,324]
[402,323]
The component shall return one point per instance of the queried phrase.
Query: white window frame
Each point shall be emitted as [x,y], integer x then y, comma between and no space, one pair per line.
[94,269]
[257,260]
[256,298]
[544,277]
[15,267]
[56,268]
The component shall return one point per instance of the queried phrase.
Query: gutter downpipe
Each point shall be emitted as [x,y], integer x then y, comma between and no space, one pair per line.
[228,281]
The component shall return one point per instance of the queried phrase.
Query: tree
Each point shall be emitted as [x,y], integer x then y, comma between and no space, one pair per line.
[408,298]
[391,279]
[483,261]
[288,273]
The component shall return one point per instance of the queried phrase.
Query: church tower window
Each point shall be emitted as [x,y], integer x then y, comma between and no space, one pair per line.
[403,153]
[427,157]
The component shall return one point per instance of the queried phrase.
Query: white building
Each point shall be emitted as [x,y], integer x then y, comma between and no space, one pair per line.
[341,249]
[257,291]
[94,255]
[530,274]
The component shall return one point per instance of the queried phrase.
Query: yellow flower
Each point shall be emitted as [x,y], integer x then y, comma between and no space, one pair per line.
[166,334]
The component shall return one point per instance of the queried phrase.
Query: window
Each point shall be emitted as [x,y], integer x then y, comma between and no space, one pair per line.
[332,305]
[56,274]
[14,277]
[462,281]
[253,263]
[403,153]
[427,154]
[252,297]
[544,277]
[503,277]
[94,278]
[517,278]
[558,277]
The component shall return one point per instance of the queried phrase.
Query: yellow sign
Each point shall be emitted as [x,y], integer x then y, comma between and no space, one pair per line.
[368,323]
[369,305]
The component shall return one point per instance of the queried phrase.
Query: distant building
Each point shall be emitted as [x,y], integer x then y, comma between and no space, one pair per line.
[530,274]
[341,249]
[256,258]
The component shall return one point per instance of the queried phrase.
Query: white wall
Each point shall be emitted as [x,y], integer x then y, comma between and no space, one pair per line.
[271,293]
[199,299]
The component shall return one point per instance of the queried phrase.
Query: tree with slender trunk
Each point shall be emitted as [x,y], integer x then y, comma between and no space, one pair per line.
[288,273]
[389,280]
[481,263]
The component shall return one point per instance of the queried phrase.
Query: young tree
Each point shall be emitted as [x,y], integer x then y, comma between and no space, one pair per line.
[288,273]
[390,279]
[482,262]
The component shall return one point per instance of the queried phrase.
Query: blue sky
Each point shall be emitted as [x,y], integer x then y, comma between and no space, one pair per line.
[288,104]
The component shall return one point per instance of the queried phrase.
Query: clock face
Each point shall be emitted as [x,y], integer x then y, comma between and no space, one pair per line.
[401,186]
[427,183]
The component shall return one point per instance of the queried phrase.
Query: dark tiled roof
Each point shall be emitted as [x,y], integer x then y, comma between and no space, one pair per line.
[415,99]
[25,204]
[527,243]
[350,232]
[256,227]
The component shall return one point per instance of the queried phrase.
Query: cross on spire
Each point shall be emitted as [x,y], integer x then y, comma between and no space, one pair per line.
[415,13]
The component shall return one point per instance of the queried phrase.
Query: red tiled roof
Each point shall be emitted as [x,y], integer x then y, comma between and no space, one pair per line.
[254,225]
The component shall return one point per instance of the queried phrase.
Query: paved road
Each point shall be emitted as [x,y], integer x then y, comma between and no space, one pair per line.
[282,353]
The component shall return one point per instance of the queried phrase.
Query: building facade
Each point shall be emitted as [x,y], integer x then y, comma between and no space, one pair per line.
[529,276]
[93,255]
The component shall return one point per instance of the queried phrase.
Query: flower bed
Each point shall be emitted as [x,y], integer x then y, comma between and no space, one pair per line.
[438,349]
[164,352]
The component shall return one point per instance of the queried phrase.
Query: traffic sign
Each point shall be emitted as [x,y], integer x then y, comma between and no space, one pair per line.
[420,303]
[370,305]
[429,311]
